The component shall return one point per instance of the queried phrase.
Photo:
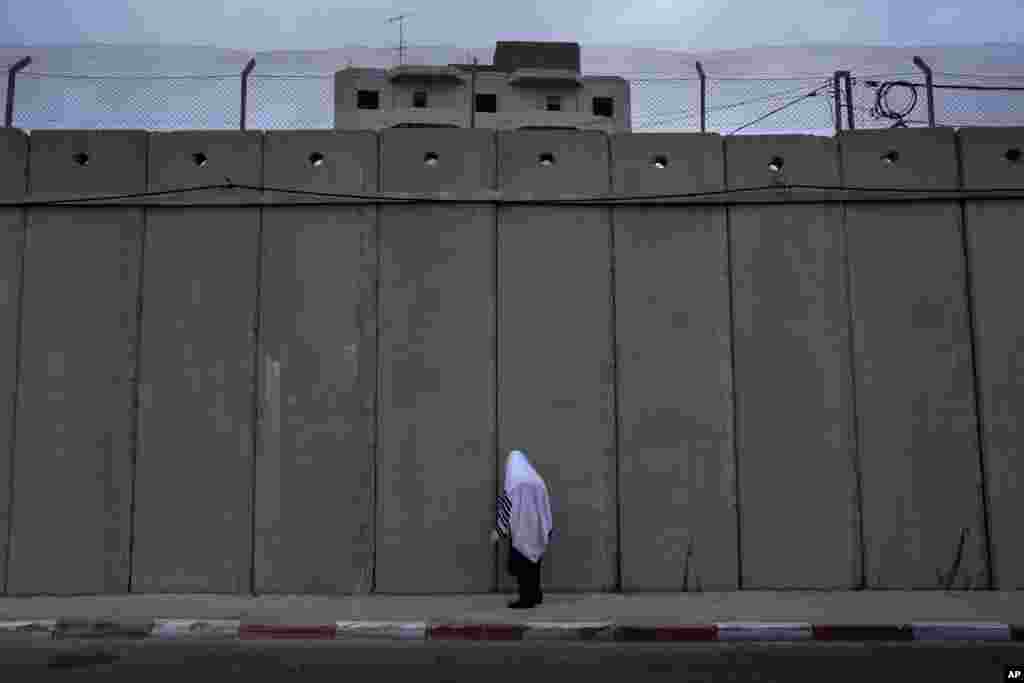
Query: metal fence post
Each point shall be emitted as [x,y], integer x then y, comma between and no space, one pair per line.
[472,96]
[703,98]
[838,99]
[929,88]
[11,75]
[849,100]
[245,89]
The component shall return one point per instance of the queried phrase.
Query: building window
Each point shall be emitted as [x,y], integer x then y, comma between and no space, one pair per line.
[554,103]
[419,99]
[604,106]
[487,103]
[368,99]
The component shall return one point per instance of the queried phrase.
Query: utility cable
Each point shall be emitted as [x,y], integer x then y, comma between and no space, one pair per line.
[777,110]
[425,199]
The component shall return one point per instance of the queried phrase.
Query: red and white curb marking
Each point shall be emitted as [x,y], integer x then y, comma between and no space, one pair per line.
[233,629]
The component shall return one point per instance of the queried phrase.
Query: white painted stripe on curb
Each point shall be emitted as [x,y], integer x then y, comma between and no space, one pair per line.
[402,630]
[563,630]
[195,628]
[960,631]
[29,625]
[764,631]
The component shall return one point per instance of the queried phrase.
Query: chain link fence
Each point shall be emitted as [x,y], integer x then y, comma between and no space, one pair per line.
[291,102]
[152,103]
[668,103]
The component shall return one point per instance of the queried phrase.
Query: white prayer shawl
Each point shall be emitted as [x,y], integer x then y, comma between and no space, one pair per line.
[529,520]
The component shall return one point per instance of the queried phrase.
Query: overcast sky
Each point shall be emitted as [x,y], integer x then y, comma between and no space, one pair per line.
[676,24]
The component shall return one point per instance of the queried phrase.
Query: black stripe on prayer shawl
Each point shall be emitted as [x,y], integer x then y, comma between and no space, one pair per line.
[503,525]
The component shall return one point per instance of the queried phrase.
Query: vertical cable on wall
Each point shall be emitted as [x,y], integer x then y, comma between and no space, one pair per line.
[975,373]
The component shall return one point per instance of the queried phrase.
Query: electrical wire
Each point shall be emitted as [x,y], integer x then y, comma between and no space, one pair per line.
[654,117]
[777,110]
[607,199]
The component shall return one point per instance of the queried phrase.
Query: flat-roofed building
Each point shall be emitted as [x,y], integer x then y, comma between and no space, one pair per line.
[530,85]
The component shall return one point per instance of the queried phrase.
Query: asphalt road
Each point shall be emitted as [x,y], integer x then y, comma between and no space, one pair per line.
[24,658]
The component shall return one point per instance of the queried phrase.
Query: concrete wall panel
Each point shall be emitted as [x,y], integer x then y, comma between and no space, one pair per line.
[72,458]
[676,472]
[191,159]
[556,379]
[318,369]
[915,403]
[996,242]
[435,457]
[13,185]
[797,477]
[193,518]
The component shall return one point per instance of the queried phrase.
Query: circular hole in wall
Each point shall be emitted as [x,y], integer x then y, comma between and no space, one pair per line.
[199,159]
[1012,155]
[775,165]
[546,159]
[660,161]
[891,157]
[82,159]
[430,159]
[316,159]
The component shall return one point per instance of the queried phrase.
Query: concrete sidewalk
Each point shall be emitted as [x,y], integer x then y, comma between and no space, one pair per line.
[756,615]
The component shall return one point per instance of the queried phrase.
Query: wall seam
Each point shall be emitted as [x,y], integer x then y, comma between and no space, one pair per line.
[613,324]
[497,373]
[255,383]
[378,370]
[732,371]
[851,348]
[975,372]
[137,384]
[18,335]
[369,313]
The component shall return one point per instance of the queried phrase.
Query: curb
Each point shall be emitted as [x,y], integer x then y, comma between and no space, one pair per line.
[228,629]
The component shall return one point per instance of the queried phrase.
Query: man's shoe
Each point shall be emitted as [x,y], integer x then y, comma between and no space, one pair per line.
[519,604]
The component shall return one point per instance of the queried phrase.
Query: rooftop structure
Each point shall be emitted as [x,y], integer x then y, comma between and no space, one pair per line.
[530,86]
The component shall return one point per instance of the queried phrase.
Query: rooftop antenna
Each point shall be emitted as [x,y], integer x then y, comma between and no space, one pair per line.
[401,35]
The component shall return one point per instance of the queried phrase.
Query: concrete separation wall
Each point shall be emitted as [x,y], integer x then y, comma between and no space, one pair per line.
[915,401]
[193,514]
[676,468]
[556,378]
[995,245]
[314,467]
[797,483]
[72,458]
[435,455]
[223,396]
[13,186]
